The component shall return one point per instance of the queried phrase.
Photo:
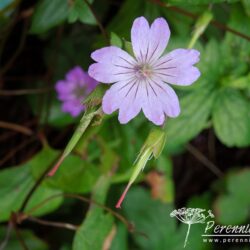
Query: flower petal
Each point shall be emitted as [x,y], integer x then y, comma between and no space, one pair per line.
[185,57]
[158,39]
[108,73]
[113,55]
[131,104]
[114,96]
[65,90]
[88,82]
[140,37]
[124,96]
[75,74]
[149,42]
[176,67]
[167,97]
[113,65]
[74,107]
[151,104]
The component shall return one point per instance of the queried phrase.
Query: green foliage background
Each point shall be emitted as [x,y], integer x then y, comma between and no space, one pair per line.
[101,164]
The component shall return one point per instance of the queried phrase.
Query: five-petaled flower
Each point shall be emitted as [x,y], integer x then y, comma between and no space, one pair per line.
[73,89]
[141,81]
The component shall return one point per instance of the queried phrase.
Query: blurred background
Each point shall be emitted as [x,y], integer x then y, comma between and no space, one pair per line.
[205,163]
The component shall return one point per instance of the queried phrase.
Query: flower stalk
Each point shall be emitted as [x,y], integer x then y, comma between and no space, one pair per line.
[153,146]
[87,118]
[200,27]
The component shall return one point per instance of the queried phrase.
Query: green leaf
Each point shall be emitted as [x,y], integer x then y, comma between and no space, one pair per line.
[72,169]
[152,218]
[31,241]
[120,240]
[16,183]
[115,40]
[236,48]
[97,224]
[212,64]
[79,10]
[229,210]
[201,200]
[240,180]
[121,23]
[195,111]
[246,4]
[165,167]
[108,157]
[5,3]
[93,232]
[57,117]
[128,47]
[231,118]
[233,206]
[242,82]
[200,1]
[48,14]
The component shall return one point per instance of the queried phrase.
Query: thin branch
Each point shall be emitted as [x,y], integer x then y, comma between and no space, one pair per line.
[6,67]
[226,28]
[86,200]
[28,78]
[16,127]
[7,236]
[102,29]
[18,92]
[35,186]
[53,224]
[194,16]
[6,136]
[18,234]
[16,149]
[6,31]
[204,160]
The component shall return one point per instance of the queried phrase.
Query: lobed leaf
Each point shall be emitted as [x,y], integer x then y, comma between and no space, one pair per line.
[48,14]
[231,118]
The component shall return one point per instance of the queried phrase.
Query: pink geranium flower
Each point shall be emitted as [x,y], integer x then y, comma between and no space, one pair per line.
[73,89]
[141,82]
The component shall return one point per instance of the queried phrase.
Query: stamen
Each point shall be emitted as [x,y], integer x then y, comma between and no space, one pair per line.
[143,71]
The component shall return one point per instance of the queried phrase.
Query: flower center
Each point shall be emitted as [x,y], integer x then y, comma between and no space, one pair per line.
[143,71]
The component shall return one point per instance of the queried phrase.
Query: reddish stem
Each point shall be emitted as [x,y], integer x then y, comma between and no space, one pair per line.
[54,169]
[118,204]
